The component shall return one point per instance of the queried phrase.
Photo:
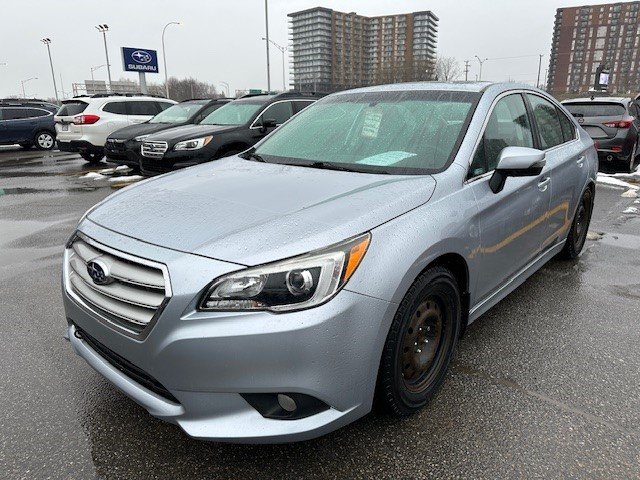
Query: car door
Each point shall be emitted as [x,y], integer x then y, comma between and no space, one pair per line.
[279,112]
[566,164]
[512,222]
[140,111]
[16,125]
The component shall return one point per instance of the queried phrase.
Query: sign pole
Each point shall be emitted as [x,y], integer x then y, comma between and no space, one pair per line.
[143,83]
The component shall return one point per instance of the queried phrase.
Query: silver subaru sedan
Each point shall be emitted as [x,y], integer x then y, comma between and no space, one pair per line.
[271,295]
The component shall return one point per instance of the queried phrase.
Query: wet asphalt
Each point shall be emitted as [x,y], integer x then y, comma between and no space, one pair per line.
[545,385]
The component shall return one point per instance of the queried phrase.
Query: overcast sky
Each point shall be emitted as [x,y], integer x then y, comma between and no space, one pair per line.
[221,40]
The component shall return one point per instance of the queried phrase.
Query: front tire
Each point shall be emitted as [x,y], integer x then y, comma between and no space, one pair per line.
[579,227]
[44,140]
[420,343]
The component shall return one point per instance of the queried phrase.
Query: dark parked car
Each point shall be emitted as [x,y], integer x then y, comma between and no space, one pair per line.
[27,123]
[231,129]
[123,146]
[613,123]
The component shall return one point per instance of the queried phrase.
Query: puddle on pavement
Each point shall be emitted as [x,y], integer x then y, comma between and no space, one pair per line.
[26,191]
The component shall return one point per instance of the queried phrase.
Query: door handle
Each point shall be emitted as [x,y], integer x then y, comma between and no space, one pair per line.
[580,161]
[544,184]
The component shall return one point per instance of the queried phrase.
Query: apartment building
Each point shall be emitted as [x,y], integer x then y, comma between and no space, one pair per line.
[591,36]
[336,50]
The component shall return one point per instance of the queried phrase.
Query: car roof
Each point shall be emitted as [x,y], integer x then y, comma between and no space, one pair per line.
[427,86]
[599,100]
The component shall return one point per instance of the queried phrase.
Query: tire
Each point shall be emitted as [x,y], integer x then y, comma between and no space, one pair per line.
[632,158]
[92,158]
[430,314]
[579,227]
[44,140]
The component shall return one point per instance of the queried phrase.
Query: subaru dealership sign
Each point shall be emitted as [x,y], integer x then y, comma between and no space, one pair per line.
[139,60]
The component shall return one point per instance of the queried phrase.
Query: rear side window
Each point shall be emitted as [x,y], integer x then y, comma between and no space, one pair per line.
[568,130]
[71,108]
[549,129]
[14,113]
[301,104]
[280,112]
[119,108]
[595,109]
[36,112]
[508,126]
[142,108]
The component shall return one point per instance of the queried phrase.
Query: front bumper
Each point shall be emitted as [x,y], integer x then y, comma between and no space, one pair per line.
[206,360]
[123,152]
[173,160]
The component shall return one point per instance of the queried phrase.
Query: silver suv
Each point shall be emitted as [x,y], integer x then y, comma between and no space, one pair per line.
[267,296]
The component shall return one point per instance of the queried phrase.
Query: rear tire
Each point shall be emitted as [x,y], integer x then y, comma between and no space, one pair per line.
[579,227]
[420,343]
[44,140]
[632,158]
[92,158]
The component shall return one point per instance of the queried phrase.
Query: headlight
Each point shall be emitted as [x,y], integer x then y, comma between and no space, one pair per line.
[194,144]
[300,282]
[141,138]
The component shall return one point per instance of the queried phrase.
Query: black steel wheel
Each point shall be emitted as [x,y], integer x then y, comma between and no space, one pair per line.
[579,227]
[420,343]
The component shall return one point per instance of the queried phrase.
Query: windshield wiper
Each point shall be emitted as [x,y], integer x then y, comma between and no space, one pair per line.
[252,155]
[327,166]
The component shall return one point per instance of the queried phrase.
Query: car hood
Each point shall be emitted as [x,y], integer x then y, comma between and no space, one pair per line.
[133,131]
[250,213]
[187,132]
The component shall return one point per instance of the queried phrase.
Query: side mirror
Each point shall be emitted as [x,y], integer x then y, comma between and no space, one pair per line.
[516,162]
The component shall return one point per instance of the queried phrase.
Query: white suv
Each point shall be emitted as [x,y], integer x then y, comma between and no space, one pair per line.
[84,123]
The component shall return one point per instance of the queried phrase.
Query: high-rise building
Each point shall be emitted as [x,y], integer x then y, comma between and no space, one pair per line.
[591,36]
[334,50]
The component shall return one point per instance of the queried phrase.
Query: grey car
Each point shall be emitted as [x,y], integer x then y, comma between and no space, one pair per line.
[614,124]
[268,296]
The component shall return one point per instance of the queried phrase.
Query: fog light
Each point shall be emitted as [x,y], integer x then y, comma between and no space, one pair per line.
[287,403]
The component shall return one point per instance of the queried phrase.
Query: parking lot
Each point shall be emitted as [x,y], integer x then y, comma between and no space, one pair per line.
[545,384]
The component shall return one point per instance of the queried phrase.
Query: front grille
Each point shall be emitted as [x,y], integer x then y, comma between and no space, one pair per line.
[154,149]
[134,294]
[125,366]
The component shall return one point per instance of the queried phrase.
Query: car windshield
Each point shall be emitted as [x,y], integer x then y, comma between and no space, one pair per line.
[593,109]
[233,113]
[177,113]
[405,132]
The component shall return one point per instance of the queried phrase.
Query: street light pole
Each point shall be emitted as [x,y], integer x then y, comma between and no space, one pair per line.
[93,69]
[47,42]
[481,62]
[539,70]
[104,28]
[22,82]
[282,50]
[266,21]
[164,58]
[226,85]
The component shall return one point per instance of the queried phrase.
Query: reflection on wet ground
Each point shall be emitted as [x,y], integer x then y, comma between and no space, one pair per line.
[545,384]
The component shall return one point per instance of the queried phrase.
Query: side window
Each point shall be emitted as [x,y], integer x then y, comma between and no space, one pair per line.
[15,113]
[299,105]
[546,117]
[280,112]
[508,126]
[36,112]
[119,108]
[2,113]
[568,130]
[161,106]
[142,108]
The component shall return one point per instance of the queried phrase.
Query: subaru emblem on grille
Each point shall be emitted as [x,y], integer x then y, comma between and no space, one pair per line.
[98,270]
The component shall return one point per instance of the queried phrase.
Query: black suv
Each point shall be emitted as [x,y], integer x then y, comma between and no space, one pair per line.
[27,123]
[229,130]
[123,146]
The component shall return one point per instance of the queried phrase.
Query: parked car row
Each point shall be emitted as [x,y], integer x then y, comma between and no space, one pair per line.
[27,123]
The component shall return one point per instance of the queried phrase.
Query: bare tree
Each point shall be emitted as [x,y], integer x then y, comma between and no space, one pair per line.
[447,69]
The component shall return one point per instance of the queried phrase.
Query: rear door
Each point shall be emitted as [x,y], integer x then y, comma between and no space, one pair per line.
[64,117]
[16,125]
[565,163]
[593,117]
